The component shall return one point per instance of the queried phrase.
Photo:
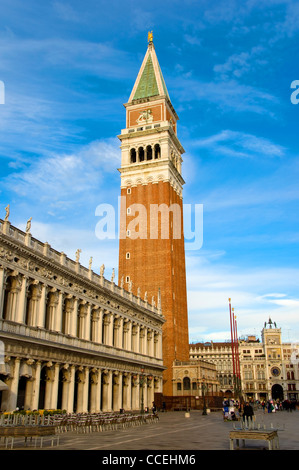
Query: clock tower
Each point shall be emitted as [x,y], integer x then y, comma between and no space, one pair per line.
[151,245]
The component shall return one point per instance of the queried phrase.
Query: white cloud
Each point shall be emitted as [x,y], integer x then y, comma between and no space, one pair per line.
[227,95]
[59,178]
[253,296]
[69,238]
[239,144]
[239,64]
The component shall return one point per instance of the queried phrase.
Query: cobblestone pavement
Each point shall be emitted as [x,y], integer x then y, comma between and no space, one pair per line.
[174,431]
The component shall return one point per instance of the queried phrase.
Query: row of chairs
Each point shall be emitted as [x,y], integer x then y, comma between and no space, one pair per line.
[94,422]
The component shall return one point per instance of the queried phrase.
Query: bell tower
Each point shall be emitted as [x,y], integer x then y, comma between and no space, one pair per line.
[151,245]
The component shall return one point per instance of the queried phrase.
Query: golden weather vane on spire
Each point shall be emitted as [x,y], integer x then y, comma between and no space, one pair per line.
[150,36]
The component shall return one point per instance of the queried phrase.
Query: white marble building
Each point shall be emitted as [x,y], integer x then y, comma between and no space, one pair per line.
[72,339]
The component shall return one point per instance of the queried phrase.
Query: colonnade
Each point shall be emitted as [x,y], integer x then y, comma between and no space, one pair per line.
[34,384]
[31,302]
[145,153]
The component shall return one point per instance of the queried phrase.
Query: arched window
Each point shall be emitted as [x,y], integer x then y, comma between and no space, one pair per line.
[186,383]
[133,155]
[149,152]
[141,154]
[157,151]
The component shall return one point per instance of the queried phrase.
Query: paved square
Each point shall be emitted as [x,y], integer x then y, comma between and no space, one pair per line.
[174,431]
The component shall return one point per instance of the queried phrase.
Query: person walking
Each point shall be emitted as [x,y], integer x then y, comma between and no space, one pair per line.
[248,412]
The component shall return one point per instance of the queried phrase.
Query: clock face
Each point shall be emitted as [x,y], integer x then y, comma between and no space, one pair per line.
[275,371]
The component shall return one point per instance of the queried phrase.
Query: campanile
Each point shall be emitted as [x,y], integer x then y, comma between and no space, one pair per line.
[151,245]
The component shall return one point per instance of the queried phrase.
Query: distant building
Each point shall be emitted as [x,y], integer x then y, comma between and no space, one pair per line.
[193,378]
[219,354]
[269,369]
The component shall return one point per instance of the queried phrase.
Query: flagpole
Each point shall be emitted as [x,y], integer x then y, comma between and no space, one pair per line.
[238,358]
[232,340]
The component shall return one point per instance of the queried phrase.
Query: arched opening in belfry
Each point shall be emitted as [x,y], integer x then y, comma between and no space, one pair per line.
[141,154]
[149,152]
[133,155]
[157,151]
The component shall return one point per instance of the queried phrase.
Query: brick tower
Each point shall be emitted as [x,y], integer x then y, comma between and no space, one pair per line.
[151,246]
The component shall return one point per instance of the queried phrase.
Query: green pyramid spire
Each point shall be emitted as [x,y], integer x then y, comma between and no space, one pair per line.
[147,85]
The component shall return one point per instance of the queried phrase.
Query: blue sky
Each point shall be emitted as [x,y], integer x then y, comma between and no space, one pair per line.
[68,67]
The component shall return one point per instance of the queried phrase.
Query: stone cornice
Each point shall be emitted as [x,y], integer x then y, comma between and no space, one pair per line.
[51,272]
[24,340]
[126,135]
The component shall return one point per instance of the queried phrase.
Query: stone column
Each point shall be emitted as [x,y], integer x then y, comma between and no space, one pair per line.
[14,385]
[32,314]
[121,334]
[88,323]
[100,325]
[105,380]
[80,394]
[41,314]
[150,339]
[142,339]
[136,394]
[71,390]
[99,391]
[49,383]
[74,318]
[85,390]
[58,315]
[150,390]
[116,331]
[30,383]
[145,393]
[127,391]
[52,308]
[126,330]
[36,385]
[107,391]
[108,329]
[2,289]
[54,392]
[82,319]
[95,391]
[110,386]
[136,338]
[68,310]
[20,311]
[13,297]
[118,391]
[65,387]
[94,326]
[111,329]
